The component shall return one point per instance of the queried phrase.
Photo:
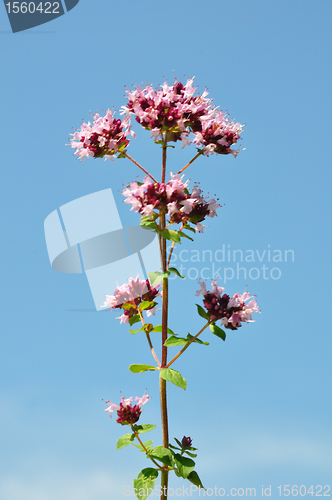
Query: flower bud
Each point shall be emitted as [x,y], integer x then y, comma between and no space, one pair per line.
[186,442]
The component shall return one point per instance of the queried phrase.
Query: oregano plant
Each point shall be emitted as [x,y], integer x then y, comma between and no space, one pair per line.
[174,212]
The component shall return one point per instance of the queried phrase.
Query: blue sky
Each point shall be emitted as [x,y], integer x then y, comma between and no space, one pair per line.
[258,406]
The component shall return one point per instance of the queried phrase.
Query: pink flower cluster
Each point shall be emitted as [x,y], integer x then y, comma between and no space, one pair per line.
[175,110]
[104,138]
[232,311]
[129,296]
[172,198]
[128,414]
[217,135]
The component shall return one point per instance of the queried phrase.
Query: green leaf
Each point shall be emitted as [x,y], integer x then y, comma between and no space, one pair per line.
[178,442]
[218,331]
[162,454]
[128,306]
[174,377]
[142,368]
[198,341]
[174,447]
[202,312]
[136,331]
[152,216]
[159,328]
[148,444]
[196,218]
[146,304]
[141,429]
[145,482]
[192,455]
[179,341]
[192,229]
[184,465]
[175,271]
[194,478]
[157,276]
[134,319]
[169,234]
[174,341]
[184,235]
[124,441]
[148,224]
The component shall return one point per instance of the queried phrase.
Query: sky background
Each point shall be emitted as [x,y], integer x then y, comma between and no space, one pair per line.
[257,406]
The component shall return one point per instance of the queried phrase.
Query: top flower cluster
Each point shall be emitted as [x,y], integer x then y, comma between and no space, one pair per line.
[176,111]
[171,113]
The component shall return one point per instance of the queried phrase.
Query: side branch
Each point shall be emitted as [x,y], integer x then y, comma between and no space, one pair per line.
[191,161]
[146,451]
[187,345]
[139,166]
[149,340]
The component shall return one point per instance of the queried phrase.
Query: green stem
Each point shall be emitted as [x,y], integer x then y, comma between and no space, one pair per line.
[187,345]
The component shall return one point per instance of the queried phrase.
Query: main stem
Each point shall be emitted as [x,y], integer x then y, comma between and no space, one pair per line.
[162,382]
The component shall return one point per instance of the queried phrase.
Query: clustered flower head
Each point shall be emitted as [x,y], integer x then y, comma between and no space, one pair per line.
[129,296]
[232,311]
[175,110]
[128,414]
[104,138]
[172,198]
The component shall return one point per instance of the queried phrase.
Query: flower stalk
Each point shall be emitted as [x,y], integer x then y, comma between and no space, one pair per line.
[124,153]
[171,113]
[162,381]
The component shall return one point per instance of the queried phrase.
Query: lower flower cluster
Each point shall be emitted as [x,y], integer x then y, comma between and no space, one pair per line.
[232,311]
[128,414]
[130,295]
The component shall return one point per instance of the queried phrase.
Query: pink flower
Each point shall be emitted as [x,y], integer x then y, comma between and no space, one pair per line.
[129,296]
[128,414]
[106,137]
[231,311]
